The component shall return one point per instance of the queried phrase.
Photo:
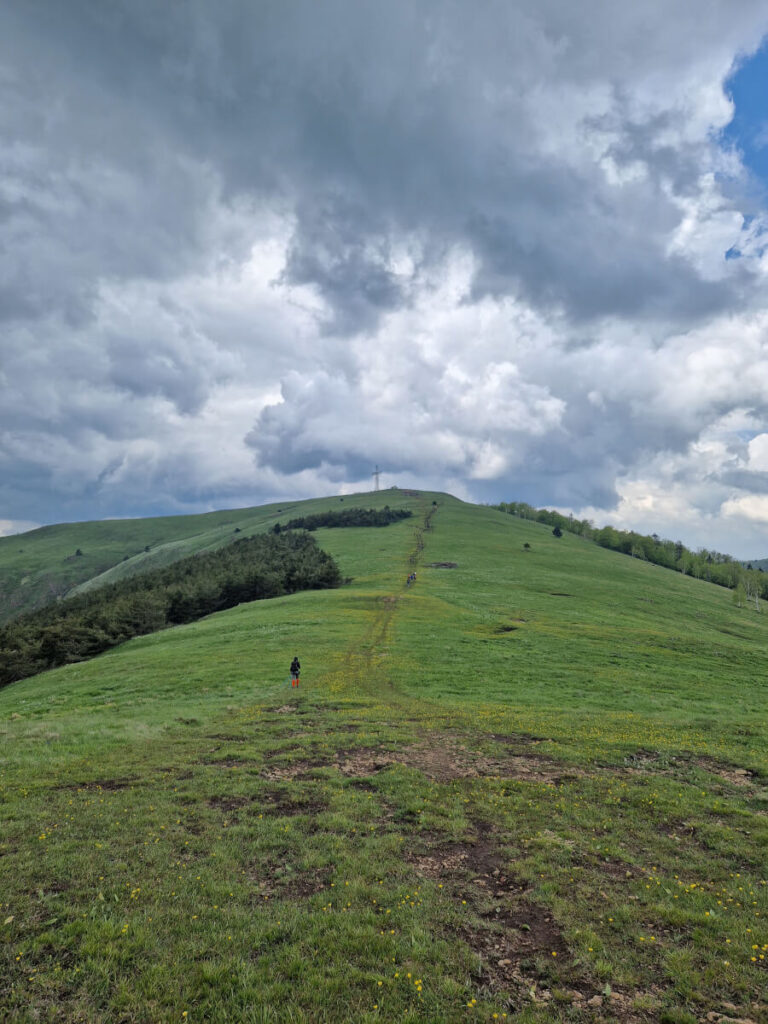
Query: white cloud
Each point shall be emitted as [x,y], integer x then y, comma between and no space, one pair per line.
[748,506]
[483,248]
[9,527]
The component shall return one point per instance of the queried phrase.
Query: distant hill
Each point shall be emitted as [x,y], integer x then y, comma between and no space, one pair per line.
[757,563]
[46,564]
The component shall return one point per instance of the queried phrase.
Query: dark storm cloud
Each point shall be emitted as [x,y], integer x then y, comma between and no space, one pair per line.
[371,120]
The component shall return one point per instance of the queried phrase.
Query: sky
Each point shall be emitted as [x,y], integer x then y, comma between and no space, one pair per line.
[251,250]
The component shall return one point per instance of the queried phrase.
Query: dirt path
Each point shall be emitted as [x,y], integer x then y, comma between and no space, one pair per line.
[365,664]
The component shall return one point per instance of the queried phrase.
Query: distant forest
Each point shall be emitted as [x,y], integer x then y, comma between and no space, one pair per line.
[748,583]
[84,626]
[346,517]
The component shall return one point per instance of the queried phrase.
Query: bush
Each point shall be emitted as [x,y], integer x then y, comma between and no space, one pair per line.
[346,517]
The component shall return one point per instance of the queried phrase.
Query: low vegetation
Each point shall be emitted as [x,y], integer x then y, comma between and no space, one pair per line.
[532,788]
[712,566]
[81,627]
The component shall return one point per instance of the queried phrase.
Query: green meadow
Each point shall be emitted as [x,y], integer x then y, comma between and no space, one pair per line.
[531,786]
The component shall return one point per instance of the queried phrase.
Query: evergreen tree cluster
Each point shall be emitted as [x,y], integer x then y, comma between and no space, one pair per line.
[713,566]
[347,517]
[81,627]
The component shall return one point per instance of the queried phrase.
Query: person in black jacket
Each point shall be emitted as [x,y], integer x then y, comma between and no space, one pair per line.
[295,669]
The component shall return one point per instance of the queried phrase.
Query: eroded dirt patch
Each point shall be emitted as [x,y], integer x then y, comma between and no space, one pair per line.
[227,803]
[285,881]
[365,761]
[294,770]
[228,762]
[104,784]
[304,884]
[511,944]
[513,937]
[731,773]
[446,760]
[517,738]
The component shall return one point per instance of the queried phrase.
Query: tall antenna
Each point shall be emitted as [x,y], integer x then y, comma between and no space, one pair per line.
[376,475]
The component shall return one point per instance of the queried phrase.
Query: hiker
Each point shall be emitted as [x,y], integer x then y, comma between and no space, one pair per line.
[295,669]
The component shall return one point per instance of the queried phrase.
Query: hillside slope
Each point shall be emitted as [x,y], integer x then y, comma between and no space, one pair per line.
[532,785]
[42,565]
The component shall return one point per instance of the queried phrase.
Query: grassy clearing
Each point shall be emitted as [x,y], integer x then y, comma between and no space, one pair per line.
[487,798]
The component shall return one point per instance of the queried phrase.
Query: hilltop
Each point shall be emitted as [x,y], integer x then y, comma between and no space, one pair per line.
[532,784]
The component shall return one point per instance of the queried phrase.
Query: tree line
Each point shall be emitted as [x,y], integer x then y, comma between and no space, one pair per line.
[748,584]
[83,626]
[346,517]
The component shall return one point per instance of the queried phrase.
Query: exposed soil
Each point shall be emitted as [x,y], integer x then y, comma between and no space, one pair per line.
[442,565]
[228,762]
[292,771]
[512,942]
[511,935]
[731,773]
[304,884]
[363,784]
[445,761]
[228,803]
[365,761]
[122,783]
[517,738]
[282,880]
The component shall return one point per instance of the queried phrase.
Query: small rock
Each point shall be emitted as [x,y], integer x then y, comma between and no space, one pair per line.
[575,997]
[504,963]
[595,1001]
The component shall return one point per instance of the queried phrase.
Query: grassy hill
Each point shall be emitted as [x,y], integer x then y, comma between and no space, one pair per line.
[530,787]
[42,565]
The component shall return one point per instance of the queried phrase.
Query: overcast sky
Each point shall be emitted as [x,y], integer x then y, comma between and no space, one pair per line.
[511,250]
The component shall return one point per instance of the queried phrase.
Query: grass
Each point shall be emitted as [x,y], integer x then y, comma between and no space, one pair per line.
[43,564]
[486,798]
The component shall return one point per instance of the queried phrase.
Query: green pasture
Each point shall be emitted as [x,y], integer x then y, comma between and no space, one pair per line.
[532,787]
[43,564]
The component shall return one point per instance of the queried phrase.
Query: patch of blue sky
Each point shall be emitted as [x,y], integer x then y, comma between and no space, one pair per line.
[747,132]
